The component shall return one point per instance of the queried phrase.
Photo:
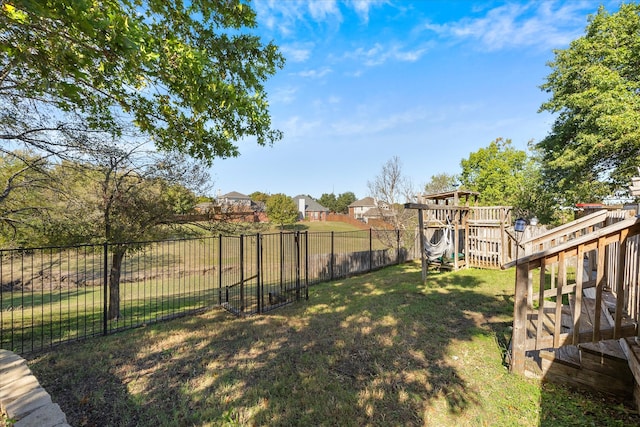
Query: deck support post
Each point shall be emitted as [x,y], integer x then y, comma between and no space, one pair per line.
[519,337]
[422,252]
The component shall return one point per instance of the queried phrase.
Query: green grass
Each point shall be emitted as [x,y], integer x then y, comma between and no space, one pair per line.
[380,349]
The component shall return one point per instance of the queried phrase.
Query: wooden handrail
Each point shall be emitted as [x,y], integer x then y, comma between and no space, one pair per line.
[580,223]
[607,231]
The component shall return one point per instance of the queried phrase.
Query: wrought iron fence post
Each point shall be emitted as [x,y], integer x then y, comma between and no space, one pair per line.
[220,271]
[370,249]
[258,275]
[105,256]
[281,262]
[242,273]
[398,246]
[331,261]
[297,265]
[306,265]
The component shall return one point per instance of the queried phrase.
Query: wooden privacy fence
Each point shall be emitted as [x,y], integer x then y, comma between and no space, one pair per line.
[487,237]
[583,290]
[492,242]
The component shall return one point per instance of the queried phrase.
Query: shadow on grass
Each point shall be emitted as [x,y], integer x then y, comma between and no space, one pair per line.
[369,350]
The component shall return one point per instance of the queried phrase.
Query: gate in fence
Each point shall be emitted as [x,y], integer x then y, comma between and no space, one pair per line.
[270,272]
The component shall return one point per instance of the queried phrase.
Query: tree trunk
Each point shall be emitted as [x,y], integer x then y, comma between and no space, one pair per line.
[114,283]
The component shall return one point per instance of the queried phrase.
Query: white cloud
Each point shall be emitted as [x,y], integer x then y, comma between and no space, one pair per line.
[366,124]
[315,74]
[281,16]
[547,24]
[379,54]
[321,10]
[285,16]
[284,95]
[362,7]
[295,127]
[296,53]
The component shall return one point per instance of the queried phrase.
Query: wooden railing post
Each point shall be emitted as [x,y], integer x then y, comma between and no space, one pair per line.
[620,282]
[519,337]
[421,243]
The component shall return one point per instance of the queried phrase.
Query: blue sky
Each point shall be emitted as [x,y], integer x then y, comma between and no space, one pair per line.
[427,81]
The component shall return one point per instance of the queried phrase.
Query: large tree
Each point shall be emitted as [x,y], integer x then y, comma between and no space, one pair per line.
[23,178]
[496,172]
[186,73]
[594,145]
[343,201]
[122,196]
[441,183]
[282,209]
[338,204]
[506,176]
[391,189]
[329,201]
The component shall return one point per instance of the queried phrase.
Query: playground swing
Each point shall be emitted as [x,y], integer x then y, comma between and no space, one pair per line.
[441,249]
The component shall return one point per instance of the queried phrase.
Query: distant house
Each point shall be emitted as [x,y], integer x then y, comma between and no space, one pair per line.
[309,209]
[363,208]
[368,208]
[358,208]
[234,199]
[240,207]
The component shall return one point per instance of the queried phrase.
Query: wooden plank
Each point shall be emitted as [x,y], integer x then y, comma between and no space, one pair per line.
[568,289]
[425,265]
[568,355]
[578,314]
[628,330]
[579,320]
[456,238]
[588,220]
[632,352]
[435,207]
[541,279]
[600,280]
[620,282]
[613,368]
[562,280]
[608,349]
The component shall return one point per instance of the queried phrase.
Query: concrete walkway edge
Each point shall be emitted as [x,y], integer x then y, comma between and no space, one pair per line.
[22,399]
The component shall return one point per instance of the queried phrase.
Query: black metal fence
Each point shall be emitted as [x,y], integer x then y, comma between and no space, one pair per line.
[58,294]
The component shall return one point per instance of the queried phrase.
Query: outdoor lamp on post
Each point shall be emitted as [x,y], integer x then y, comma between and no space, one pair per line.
[519,227]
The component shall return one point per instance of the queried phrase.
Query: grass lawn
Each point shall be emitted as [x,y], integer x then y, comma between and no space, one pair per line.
[379,349]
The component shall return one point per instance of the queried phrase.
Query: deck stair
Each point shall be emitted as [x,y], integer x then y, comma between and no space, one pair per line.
[577,306]
[631,349]
[601,366]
